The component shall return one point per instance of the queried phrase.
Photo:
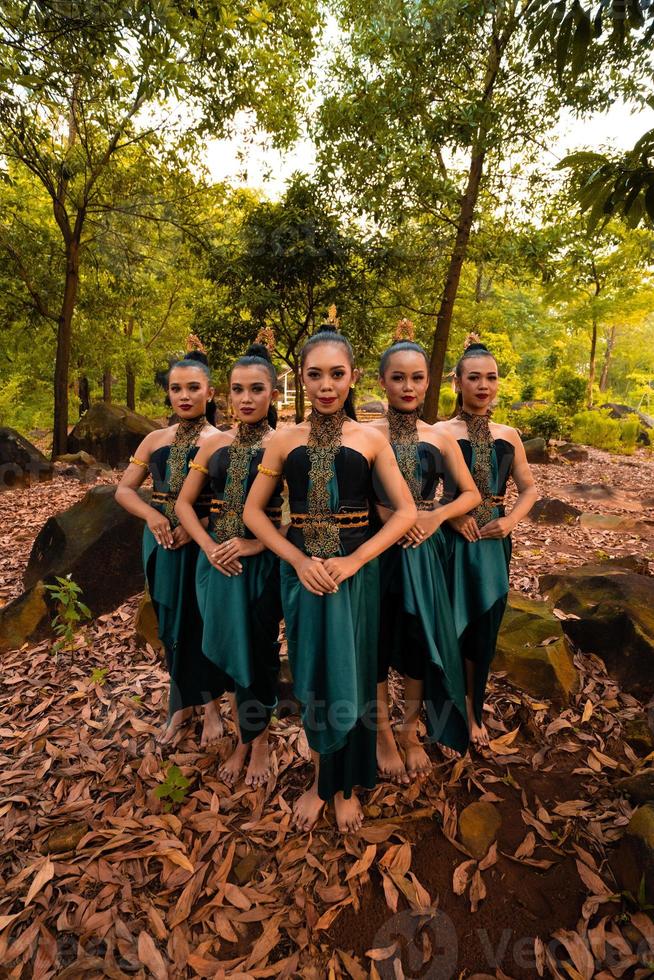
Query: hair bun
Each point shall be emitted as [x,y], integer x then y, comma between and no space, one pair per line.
[328,327]
[197,355]
[259,350]
[477,347]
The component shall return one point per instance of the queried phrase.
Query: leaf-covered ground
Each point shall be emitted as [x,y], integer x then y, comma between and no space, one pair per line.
[97,879]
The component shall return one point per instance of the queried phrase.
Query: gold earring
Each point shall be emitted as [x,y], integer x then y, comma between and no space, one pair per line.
[352,387]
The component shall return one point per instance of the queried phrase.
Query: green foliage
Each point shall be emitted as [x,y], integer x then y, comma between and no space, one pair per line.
[528,391]
[71,612]
[447,402]
[569,389]
[596,428]
[546,423]
[173,789]
[99,676]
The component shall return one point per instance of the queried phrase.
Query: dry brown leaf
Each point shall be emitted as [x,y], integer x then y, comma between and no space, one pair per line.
[41,878]
[462,875]
[591,880]
[477,891]
[150,956]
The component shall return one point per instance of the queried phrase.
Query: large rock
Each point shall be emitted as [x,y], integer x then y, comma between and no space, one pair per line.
[534,651]
[24,618]
[640,787]
[550,510]
[98,544]
[572,453]
[613,609]
[21,463]
[111,433]
[610,522]
[591,491]
[536,450]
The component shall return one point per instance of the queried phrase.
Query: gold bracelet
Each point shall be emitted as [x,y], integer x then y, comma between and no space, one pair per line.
[198,466]
[267,471]
[139,462]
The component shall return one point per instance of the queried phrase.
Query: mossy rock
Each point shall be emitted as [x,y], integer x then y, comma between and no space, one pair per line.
[614,606]
[479,825]
[534,651]
[24,618]
[633,862]
[110,433]
[550,510]
[145,623]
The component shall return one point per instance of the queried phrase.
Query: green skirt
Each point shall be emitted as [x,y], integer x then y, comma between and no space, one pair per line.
[171,582]
[332,650]
[478,579]
[418,636]
[241,617]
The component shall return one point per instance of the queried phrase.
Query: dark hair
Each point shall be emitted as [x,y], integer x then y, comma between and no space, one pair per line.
[195,359]
[472,350]
[396,348]
[328,334]
[259,356]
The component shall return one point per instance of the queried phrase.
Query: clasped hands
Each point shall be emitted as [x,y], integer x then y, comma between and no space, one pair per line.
[225,556]
[169,538]
[322,576]
[467,526]
[427,523]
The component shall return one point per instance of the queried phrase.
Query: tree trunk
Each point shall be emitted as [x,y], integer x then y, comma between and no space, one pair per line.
[610,346]
[501,36]
[299,392]
[591,370]
[130,379]
[84,395]
[62,358]
[106,385]
[444,317]
[130,376]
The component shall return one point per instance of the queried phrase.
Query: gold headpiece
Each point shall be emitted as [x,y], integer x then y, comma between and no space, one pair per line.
[332,317]
[404,330]
[472,338]
[266,336]
[194,343]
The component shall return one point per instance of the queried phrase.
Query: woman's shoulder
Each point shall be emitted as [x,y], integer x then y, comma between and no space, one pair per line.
[505,432]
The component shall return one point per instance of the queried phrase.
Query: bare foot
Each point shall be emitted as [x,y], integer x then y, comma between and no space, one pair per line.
[389,760]
[478,733]
[259,769]
[417,761]
[232,767]
[349,815]
[450,754]
[212,728]
[307,809]
[174,726]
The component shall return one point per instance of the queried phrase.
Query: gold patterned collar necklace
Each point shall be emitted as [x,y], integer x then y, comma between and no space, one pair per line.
[250,433]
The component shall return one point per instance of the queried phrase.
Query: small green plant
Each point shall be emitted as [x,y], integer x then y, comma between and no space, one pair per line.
[546,423]
[569,389]
[638,902]
[99,676]
[446,402]
[173,789]
[70,611]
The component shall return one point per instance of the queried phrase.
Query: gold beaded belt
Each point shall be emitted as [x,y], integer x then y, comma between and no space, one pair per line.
[273,513]
[355,518]
[162,497]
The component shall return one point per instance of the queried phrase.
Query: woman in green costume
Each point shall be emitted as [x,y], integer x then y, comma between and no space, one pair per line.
[330,585]
[480,543]
[169,555]
[237,578]
[417,635]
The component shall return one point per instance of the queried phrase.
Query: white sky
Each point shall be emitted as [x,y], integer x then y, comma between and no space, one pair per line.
[254,165]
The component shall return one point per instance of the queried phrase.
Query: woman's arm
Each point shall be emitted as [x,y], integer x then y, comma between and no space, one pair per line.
[128,498]
[192,487]
[523,478]
[310,571]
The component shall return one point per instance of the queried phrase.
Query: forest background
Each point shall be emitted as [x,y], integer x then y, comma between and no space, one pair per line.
[433,189]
